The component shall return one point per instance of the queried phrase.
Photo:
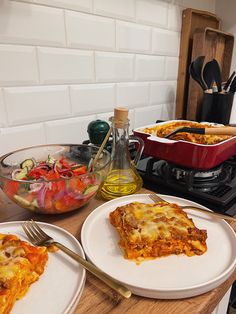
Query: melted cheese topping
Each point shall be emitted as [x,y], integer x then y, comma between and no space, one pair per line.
[20,265]
[161,130]
[152,230]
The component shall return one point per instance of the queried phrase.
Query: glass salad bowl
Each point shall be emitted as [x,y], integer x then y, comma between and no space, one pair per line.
[52,179]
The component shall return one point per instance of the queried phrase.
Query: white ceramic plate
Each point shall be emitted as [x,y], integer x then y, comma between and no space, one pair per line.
[60,286]
[170,277]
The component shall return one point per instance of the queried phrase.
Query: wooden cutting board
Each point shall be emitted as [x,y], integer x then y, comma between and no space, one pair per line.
[213,44]
[191,20]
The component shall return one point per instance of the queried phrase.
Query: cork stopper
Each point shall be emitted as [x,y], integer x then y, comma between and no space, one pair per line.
[120,116]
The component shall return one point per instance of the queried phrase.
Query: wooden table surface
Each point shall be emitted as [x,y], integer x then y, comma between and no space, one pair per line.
[98,298]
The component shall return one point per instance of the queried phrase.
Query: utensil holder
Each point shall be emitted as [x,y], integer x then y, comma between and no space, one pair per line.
[217,107]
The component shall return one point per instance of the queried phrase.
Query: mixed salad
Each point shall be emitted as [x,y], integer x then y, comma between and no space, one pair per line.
[51,186]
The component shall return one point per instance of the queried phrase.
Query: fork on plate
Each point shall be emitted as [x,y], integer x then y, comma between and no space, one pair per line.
[39,238]
[157,199]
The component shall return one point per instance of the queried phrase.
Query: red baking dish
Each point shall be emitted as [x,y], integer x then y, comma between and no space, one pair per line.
[187,154]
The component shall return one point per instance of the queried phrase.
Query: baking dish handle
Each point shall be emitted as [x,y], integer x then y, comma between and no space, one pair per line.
[160,140]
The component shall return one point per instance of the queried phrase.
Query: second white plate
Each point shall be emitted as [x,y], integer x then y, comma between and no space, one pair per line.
[59,288]
[170,277]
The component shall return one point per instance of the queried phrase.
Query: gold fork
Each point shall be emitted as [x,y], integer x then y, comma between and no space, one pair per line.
[157,199]
[39,238]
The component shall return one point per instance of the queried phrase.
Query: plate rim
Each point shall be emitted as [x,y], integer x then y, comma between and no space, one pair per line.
[220,278]
[75,300]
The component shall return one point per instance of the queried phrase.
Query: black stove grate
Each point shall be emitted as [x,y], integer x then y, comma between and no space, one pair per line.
[220,197]
[192,179]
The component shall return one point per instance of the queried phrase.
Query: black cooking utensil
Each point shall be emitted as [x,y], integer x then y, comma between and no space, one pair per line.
[207,131]
[208,74]
[183,129]
[195,77]
[229,81]
[217,74]
[198,67]
[232,88]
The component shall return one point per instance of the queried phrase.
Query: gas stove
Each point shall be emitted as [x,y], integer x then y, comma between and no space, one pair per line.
[214,188]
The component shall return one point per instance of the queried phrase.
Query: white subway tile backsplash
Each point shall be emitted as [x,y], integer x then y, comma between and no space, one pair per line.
[30,1]
[168,112]
[25,23]
[18,65]
[165,42]
[171,70]
[34,104]
[133,38]
[178,2]
[60,65]
[105,116]
[162,92]
[3,116]
[77,5]
[147,115]
[88,31]
[124,9]
[21,136]
[149,68]
[132,94]
[175,17]
[68,131]
[131,117]
[61,68]
[92,98]
[207,5]
[114,67]
[152,12]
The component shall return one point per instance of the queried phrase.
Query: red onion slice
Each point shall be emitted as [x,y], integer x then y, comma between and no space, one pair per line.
[35,187]
[41,196]
[59,195]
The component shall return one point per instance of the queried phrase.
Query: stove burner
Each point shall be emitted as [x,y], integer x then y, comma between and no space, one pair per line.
[201,180]
[214,188]
[181,173]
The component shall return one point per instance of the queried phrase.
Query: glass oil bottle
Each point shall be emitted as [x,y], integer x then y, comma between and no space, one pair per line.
[123,178]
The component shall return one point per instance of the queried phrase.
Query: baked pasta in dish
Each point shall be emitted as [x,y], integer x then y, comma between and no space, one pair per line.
[155,230]
[21,264]
[161,130]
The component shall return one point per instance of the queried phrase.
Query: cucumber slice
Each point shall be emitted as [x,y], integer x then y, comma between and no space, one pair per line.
[91,189]
[27,163]
[24,203]
[22,174]
[21,200]
[50,160]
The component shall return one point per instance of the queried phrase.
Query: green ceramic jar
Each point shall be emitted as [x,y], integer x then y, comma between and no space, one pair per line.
[97,131]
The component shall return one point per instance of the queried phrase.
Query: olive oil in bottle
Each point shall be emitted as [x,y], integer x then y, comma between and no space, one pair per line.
[123,178]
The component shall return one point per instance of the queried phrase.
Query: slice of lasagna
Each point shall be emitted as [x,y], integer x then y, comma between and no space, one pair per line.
[154,230]
[21,264]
